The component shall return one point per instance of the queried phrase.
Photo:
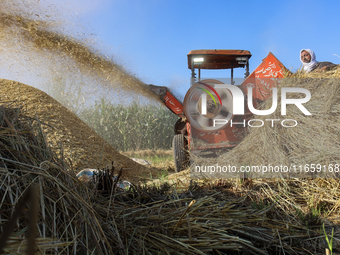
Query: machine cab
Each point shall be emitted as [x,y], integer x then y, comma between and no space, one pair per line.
[217,59]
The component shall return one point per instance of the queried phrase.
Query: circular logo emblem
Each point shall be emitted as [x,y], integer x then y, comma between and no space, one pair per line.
[207,107]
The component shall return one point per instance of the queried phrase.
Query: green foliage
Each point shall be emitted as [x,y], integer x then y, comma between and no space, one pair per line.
[259,204]
[162,176]
[329,242]
[309,219]
[136,126]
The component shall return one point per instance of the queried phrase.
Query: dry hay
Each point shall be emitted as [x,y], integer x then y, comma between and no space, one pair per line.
[198,219]
[315,139]
[148,153]
[65,207]
[68,135]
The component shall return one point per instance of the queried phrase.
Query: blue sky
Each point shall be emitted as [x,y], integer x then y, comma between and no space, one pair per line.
[151,38]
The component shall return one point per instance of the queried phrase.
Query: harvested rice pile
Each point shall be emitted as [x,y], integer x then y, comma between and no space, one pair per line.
[315,139]
[68,135]
[65,210]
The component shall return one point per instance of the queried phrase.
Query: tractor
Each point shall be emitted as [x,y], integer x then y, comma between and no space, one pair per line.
[196,131]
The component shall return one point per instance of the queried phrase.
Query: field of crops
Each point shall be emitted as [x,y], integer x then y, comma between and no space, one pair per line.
[136,126]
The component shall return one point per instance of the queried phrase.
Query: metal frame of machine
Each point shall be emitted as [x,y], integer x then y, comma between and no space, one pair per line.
[262,79]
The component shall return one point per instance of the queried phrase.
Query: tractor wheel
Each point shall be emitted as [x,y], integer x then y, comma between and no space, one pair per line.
[179,149]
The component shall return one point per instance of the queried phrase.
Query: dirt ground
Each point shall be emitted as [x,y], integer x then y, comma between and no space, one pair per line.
[80,145]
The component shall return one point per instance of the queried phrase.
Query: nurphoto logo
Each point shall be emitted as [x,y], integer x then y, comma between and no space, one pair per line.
[211,107]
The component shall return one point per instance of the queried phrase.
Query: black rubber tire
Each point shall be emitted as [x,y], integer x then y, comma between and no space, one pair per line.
[179,149]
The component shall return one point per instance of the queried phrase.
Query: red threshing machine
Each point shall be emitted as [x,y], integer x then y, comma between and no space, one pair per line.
[191,132]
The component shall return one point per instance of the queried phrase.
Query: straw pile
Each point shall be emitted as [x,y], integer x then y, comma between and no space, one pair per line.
[69,136]
[65,210]
[212,218]
[315,139]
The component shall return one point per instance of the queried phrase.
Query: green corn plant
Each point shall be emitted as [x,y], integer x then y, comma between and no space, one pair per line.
[330,243]
[136,126]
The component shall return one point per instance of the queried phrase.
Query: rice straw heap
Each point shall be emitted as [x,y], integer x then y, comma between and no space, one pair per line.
[76,218]
[314,140]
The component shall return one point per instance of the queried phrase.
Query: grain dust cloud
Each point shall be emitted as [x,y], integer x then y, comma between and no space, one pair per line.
[41,37]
